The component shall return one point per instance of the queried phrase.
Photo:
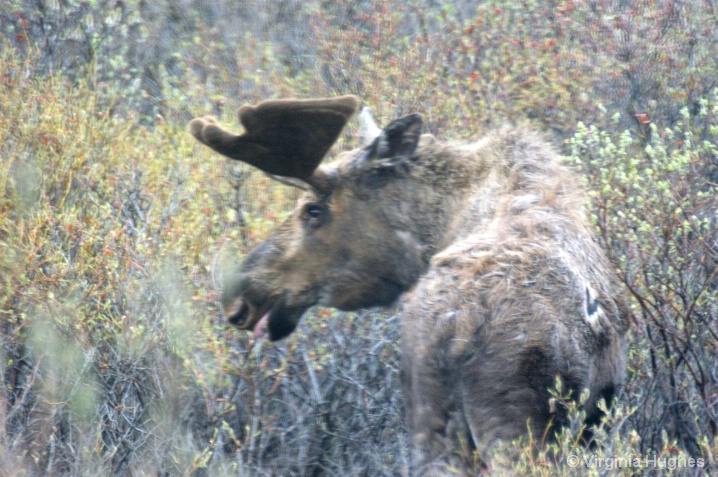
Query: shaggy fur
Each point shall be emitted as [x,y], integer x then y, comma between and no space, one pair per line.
[521,295]
[507,287]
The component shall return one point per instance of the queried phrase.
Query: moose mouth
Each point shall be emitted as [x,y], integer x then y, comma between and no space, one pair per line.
[275,321]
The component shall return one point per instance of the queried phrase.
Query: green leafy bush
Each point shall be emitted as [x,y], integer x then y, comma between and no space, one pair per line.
[656,208]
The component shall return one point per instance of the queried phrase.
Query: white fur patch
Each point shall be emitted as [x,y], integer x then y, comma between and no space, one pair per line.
[408,239]
[592,306]
[523,202]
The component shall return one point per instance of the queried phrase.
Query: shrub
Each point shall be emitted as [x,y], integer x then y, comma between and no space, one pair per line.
[655,207]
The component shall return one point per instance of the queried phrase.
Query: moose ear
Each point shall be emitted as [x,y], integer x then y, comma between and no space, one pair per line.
[399,139]
[283,137]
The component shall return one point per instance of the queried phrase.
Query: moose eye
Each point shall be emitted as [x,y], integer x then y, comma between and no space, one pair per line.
[314,214]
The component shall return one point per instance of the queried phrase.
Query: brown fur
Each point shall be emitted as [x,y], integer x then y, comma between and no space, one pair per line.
[509,288]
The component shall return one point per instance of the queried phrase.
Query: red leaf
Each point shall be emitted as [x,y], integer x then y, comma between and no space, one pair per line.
[642,118]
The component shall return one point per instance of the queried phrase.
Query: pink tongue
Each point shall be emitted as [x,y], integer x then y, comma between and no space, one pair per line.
[260,329]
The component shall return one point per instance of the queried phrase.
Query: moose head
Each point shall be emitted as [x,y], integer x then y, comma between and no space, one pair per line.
[350,242]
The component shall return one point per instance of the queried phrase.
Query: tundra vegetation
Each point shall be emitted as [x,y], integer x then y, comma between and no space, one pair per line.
[115,227]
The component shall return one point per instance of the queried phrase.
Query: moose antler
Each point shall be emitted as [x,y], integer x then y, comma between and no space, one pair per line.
[282,137]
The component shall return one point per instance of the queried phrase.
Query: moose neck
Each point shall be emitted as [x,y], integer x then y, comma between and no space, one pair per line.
[435,204]
[456,190]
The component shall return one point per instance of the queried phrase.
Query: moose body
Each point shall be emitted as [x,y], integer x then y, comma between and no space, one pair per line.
[507,288]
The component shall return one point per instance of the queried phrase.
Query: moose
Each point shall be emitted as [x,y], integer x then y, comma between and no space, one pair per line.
[505,287]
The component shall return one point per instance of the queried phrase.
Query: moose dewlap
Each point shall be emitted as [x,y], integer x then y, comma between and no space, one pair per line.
[509,287]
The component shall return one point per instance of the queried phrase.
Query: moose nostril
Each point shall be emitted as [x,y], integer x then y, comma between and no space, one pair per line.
[239,317]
